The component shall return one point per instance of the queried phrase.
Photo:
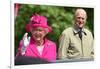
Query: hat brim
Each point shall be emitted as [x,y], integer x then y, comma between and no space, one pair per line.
[29,26]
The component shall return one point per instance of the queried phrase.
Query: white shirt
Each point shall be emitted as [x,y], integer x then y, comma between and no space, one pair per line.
[40,49]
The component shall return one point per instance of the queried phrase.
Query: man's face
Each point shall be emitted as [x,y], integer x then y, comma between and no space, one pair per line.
[38,33]
[80,18]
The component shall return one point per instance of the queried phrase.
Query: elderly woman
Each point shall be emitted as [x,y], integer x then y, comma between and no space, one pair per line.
[37,46]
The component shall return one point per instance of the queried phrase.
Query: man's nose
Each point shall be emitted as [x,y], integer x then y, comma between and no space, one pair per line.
[81,19]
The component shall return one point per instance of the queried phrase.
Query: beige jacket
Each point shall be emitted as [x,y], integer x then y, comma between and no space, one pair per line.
[71,46]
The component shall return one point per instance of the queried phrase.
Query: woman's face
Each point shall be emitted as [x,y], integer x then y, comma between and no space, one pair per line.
[38,33]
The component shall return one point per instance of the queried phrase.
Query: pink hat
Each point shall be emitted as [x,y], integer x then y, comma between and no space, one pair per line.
[37,21]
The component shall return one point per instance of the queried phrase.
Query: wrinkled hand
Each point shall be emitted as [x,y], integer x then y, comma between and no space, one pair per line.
[25,43]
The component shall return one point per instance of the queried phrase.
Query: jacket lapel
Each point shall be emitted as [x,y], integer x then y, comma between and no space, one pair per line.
[45,49]
[34,50]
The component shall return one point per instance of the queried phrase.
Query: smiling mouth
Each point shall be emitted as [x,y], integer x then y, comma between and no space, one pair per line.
[80,23]
[38,37]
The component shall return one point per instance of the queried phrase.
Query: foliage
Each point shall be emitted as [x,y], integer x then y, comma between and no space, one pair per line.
[59,18]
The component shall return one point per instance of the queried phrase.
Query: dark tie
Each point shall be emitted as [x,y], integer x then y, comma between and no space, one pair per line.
[80,34]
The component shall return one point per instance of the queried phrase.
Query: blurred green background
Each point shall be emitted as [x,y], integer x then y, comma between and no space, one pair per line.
[59,18]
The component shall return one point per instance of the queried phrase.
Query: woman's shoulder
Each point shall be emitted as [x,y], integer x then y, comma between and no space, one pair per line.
[49,42]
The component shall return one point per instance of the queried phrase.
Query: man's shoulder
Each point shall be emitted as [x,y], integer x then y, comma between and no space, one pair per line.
[87,30]
[69,29]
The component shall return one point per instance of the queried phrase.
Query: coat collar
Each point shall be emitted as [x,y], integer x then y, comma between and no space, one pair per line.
[34,48]
[76,30]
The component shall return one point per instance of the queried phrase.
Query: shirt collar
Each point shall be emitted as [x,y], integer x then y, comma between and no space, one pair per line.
[76,30]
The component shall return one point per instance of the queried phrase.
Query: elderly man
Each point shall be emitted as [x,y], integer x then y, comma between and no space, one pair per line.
[76,42]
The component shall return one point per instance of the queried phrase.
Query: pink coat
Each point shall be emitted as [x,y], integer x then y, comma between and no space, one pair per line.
[49,50]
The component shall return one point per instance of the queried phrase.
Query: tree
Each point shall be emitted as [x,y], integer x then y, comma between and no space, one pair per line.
[59,18]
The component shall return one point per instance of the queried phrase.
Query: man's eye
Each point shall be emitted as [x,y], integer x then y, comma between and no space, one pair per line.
[79,17]
[82,18]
